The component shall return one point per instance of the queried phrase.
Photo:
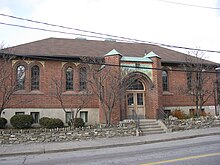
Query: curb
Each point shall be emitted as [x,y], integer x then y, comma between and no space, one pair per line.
[106,146]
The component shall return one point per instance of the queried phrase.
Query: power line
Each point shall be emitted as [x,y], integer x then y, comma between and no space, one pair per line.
[65,27]
[119,38]
[49,30]
[191,5]
[68,58]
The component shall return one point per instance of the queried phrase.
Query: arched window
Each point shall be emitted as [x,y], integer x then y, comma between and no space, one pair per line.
[136,85]
[20,77]
[35,77]
[82,79]
[69,78]
[165,80]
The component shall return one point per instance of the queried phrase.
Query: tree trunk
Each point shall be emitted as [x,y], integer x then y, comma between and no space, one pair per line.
[109,118]
[1,109]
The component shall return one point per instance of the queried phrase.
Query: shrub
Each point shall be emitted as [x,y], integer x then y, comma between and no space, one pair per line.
[44,121]
[21,121]
[3,122]
[179,114]
[78,122]
[51,123]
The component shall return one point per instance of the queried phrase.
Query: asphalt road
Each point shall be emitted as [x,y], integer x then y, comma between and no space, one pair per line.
[196,151]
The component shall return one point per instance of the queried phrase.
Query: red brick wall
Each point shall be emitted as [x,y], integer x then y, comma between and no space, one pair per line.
[177,96]
[45,97]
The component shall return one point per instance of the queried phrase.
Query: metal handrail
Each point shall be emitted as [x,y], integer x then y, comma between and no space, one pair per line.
[136,119]
[161,114]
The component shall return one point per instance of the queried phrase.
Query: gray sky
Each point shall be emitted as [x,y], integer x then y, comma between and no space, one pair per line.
[149,20]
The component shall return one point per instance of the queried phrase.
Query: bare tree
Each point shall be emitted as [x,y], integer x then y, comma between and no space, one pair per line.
[108,85]
[65,103]
[7,83]
[200,79]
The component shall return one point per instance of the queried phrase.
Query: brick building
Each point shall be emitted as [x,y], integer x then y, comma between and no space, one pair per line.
[160,79]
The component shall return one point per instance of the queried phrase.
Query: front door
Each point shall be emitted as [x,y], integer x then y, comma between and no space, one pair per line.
[135,104]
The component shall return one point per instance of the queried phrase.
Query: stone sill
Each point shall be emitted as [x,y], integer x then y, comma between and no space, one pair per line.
[167,93]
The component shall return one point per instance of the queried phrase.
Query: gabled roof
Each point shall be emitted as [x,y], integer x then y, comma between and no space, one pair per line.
[152,54]
[95,48]
[113,52]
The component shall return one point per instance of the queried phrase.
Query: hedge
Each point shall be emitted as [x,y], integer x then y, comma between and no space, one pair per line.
[51,123]
[21,121]
[78,122]
[3,122]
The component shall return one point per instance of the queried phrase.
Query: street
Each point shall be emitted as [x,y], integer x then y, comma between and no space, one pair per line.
[196,151]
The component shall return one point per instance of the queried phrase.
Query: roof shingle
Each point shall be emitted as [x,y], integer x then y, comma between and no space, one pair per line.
[79,47]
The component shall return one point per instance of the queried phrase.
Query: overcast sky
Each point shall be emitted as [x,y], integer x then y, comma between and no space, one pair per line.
[149,20]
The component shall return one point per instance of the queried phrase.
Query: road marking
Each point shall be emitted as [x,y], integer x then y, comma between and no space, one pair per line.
[184,158]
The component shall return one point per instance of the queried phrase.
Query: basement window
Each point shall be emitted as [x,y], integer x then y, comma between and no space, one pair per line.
[84,116]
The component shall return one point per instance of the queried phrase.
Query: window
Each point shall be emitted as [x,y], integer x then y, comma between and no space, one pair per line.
[84,116]
[35,116]
[69,78]
[165,80]
[35,76]
[136,85]
[82,79]
[68,117]
[140,100]
[19,113]
[130,98]
[20,79]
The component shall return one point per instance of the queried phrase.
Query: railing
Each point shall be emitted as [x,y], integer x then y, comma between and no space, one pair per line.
[136,119]
[161,114]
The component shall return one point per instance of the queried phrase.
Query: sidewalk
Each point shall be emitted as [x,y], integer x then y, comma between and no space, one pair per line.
[40,148]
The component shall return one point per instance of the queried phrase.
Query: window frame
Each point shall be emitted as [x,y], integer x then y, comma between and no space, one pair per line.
[165,80]
[36,119]
[68,116]
[86,116]
[82,78]
[20,80]
[19,113]
[69,78]
[35,78]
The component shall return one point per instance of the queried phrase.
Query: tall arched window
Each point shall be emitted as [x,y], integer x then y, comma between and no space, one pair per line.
[165,80]
[82,79]
[35,77]
[20,77]
[69,78]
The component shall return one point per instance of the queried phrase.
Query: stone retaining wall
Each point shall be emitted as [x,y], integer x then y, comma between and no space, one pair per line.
[193,123]
[127,128]
[15,136]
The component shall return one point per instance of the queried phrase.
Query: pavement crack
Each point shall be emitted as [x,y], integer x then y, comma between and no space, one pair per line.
[25,158]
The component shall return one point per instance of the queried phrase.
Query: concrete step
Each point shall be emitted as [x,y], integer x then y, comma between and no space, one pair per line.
[150,126]
[153,132]
[151,129]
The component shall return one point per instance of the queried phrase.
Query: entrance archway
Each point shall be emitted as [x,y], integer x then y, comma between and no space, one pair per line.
[135,99]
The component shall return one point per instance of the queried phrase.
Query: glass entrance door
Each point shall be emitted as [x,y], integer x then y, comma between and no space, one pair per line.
[135,104]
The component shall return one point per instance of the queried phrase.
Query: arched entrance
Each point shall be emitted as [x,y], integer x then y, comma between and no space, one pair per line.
[135,99]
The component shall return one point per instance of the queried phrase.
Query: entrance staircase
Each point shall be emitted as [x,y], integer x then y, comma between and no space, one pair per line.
[151,126]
